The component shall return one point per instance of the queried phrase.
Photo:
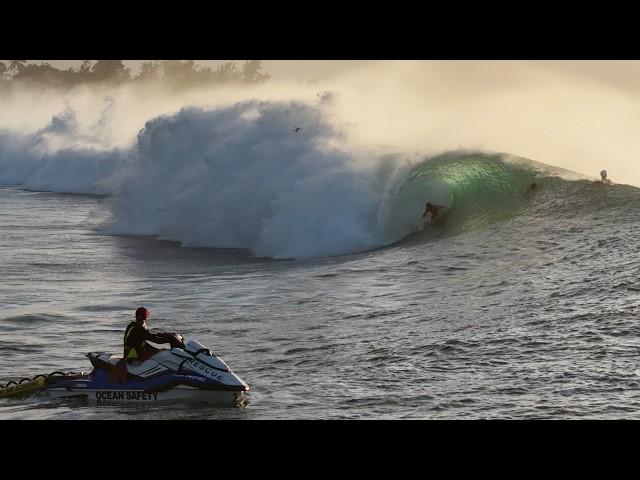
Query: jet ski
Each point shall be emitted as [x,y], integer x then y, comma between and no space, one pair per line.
[185,372]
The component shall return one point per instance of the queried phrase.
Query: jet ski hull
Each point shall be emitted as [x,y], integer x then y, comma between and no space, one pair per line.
[180,394]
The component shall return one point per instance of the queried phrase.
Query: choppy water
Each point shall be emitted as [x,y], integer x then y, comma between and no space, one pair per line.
[531,312]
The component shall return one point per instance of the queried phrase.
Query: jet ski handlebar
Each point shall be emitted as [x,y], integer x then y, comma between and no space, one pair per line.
[176,340]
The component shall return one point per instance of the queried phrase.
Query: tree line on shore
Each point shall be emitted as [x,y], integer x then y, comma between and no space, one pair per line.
[172,74]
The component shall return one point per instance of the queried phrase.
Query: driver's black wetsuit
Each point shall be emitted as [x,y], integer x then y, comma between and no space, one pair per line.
[134,341]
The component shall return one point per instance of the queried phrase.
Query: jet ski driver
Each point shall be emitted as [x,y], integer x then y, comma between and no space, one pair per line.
[135,346]
[136,335]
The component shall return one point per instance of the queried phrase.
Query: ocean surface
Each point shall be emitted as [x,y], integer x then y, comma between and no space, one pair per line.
[517,303]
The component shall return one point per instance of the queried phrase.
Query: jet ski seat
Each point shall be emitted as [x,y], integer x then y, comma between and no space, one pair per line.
[104,361]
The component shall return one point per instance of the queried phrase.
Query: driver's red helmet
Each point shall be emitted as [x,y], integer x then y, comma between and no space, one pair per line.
[142,313]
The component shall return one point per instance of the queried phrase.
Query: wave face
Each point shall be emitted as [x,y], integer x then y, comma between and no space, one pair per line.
[240,177]
[476,188]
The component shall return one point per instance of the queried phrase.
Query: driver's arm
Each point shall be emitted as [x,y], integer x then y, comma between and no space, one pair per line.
[155,338]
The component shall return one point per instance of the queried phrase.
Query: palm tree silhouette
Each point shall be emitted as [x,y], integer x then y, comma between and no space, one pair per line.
[16,65]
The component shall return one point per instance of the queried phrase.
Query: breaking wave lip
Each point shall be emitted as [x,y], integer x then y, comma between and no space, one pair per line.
[240,177]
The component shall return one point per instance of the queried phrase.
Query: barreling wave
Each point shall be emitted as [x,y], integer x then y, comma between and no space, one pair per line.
[240,177]
[475,188]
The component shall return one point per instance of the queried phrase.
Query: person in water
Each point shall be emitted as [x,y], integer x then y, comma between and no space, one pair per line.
[136,335]
[532,188]
[431,212]
[603,177]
